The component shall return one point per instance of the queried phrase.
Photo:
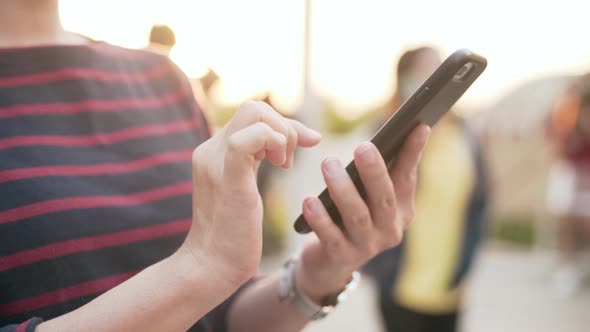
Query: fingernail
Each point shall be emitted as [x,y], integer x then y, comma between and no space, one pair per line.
[366,153]
[311,205]
[288,163]
[315,134]
[333,166]
[426,134]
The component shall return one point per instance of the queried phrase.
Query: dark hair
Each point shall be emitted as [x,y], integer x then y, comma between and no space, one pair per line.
[163,35]
[405,65]
[408,60]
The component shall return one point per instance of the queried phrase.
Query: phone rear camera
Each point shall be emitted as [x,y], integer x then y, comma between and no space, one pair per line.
[463,72]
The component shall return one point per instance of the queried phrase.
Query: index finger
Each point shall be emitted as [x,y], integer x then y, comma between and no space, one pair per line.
[306,137]
[250,112]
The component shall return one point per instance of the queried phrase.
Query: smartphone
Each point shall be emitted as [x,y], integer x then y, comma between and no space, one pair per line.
[427,105]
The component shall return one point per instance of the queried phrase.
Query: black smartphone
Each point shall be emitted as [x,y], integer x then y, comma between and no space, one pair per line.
[427,105]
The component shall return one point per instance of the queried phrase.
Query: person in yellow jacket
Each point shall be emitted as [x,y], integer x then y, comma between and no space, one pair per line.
[421,281]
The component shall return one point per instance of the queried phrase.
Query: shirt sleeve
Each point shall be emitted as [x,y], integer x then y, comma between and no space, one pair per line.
[28,326]
[218,316]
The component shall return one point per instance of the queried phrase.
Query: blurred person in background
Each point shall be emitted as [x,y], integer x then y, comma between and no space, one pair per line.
[162,39]
[421,282]
[568,195]
[111,220]
[202,89]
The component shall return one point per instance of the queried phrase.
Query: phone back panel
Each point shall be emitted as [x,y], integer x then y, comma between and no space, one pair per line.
[430,102]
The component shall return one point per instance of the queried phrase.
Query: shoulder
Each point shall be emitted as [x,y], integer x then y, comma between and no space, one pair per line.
[140,60]
[124,52]
[157,65]
[141,57]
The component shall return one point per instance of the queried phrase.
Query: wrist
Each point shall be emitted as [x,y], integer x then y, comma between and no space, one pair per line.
[320,282]
[196,269]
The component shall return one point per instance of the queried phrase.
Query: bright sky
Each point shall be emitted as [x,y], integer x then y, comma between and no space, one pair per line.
[256,45]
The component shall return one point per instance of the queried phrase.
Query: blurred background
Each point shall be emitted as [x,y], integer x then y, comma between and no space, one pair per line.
[520,134]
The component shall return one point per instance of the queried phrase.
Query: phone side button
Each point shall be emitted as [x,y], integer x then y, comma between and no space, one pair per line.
[422,94]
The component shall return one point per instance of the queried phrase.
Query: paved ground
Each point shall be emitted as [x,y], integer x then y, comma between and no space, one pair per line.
[510,292]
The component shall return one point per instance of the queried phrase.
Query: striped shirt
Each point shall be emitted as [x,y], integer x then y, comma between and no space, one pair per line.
[95,174]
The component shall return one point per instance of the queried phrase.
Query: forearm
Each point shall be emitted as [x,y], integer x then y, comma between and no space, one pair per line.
[168,296]
[258,308]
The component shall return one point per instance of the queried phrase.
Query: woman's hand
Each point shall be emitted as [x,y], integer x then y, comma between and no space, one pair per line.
[369,227]
[226,235]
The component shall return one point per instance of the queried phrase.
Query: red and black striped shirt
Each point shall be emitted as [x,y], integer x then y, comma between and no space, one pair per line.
[95,174]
